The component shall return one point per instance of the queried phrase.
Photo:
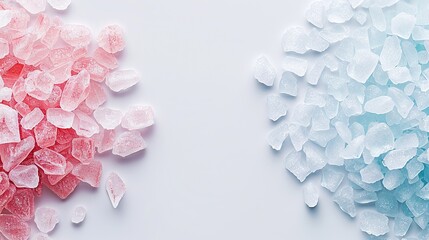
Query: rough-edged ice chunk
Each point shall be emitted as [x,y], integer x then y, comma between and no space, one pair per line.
[379,139]
[264,71]
[288,84]
[33,118]
[378,19]
[115,188]
[364,197]
[315,71]
[371,173]
[311,195]
[339,12]
[379,105]
[392,179]
[108,118]
[277,136]
[295,40]
[391,53]
[295,65]
[78,215]
[402,25]
[407,141]
[276,106]
[344,198]
[138,117]
[403,103]
[399,75]
[316,14]
[317,43]
[331,178]
[32,6]
[397,159]
[46,219]
[111,39]
[362,65]
[373,223]
[296,164]
[59,4]
[401,225]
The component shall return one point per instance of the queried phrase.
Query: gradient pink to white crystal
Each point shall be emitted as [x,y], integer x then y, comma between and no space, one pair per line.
[52,86]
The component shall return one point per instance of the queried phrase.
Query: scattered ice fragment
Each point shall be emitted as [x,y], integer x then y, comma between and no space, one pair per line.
[393,179]
[5,18]
[9,127]
[78,215]
[89,173]
[277,136]
[378,19]
[311,195]
[402,25]
[373,223]
[30,120]
[83,149]
[128,143]
[399,75]
[46,219]
[295,65]
[362,65]
[297,165]
[60,118]
[371,173]
[264,71]
[138,117]
[339,12]
[276,107]
[391,53]
[397,159]
[50,162]
[75,35]
[317,43]
[316,14]
[355,3]
[379,139]
[295,40]
[401,225]
[14,228]
[123,79]
[379,105]
[288,84]
[344,198]
[115,188]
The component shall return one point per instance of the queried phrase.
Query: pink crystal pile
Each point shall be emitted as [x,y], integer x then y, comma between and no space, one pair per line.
[51,118]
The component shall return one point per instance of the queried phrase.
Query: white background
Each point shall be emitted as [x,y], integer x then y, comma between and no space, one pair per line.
[208,172]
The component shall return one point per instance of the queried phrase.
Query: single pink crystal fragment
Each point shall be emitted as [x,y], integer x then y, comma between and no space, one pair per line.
[138,117]
[25,176]
[22,204]
[111,39]
[18,90]
[96,97]
[95,70]
[54,99]
[9,129]
[6,197]
[4,48]
[75,35]
[104,140]
[64,187]
[128,143]
[89,173]
[33,6]
[45,134]
[13,154]
[75,91]
[46,219]
[122,79]
[54,179]
[105,59]
[115,188]
[22,108]
[78,215]
[39,84]
[59,4]
[108,118]
[33,118]
[83,149]
[5,94]
[50,162]
[60,118]
[22,47]
[4,182]
[39,53]
[84,125]
[13,228]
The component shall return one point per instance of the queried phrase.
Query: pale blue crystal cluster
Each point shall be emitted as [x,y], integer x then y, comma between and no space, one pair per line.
[352,108]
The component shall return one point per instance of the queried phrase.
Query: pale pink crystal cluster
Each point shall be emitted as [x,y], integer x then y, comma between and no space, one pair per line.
[52,122]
